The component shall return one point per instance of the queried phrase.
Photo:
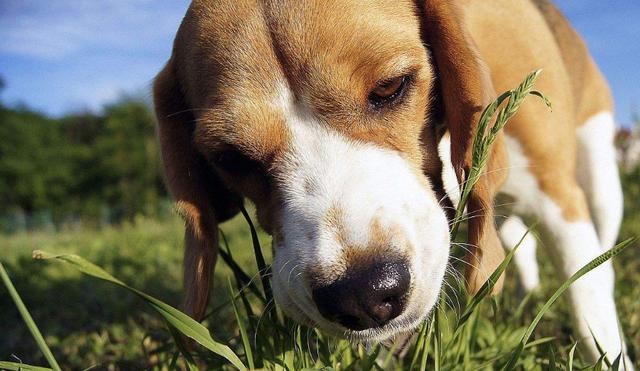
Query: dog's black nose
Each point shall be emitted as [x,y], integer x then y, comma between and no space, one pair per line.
[365,297]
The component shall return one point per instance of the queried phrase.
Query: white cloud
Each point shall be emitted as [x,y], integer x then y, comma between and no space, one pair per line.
[54,29]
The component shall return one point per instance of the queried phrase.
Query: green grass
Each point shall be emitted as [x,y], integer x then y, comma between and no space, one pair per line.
[87,322]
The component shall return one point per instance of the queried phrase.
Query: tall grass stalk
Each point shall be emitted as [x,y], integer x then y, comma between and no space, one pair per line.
[175,318]
[487,134]
[28,320]
[14,366]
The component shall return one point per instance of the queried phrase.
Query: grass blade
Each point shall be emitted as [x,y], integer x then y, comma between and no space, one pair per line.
[243,331]
[425,350]
[390,352]
[487,287]
[571,356]
[262,265]
[584,270]
[420,344]
[438,351]
[28,320]
[598,366]
[13,366]
[240,275]
[552,359]
[174,361]
[182,322]
[484,137]
[615,366]
[600,349]
[188,359]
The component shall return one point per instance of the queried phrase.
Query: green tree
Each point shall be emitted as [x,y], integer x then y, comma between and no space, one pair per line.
[129,162]
[35,169]
[81,164]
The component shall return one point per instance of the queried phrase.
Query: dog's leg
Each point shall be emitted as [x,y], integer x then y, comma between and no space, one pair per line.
[574,243]
[598,175]
[511,232]
[556,201]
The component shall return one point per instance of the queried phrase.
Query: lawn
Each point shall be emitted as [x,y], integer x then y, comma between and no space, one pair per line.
[92,324]
[88,322]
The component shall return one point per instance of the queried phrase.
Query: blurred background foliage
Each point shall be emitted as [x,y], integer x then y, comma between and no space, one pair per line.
[84,168]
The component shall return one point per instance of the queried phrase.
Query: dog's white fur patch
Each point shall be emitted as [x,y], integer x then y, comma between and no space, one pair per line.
[322,170]
[598,175]
[511,232]
[449,178]
[572,245]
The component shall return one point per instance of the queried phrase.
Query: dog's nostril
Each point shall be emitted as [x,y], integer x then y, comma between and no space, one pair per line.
[382,312]
[366,297]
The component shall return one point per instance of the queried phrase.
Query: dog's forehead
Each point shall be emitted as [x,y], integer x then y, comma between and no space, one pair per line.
[338,31]
[249,44]
[328,54]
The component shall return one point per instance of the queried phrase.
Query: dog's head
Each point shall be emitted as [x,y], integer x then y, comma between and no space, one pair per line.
[323,114]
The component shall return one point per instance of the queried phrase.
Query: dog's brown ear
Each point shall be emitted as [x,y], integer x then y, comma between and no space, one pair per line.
[465,90]
[200,196]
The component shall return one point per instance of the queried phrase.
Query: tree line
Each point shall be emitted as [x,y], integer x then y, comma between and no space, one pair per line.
[88,166]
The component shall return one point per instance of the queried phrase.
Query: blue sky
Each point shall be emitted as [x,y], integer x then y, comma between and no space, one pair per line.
[60,56]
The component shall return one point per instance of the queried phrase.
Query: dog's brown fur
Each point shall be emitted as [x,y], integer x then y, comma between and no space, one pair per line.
[214,94]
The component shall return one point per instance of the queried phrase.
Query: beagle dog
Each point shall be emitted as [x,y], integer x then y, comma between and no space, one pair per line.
[328,116]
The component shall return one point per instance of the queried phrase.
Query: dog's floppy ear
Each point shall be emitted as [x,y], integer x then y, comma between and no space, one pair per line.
[200,196]
[465,90]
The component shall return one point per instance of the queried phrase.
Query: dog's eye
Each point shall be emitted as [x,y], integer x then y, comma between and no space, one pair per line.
[233,162]
[388,91]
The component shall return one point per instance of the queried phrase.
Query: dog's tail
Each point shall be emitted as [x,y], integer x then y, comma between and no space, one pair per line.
[597,172]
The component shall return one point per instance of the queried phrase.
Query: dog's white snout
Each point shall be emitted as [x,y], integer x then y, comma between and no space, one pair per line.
[361,229]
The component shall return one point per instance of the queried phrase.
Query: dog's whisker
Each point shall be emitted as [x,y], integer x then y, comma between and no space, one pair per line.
[188,110]
[454,293]
[291,272]
[464,244]
[283,266]
[447,299]
[463,261]
[468,248]
[265,311]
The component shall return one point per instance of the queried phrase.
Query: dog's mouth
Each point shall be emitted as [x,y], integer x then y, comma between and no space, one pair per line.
[374,302]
